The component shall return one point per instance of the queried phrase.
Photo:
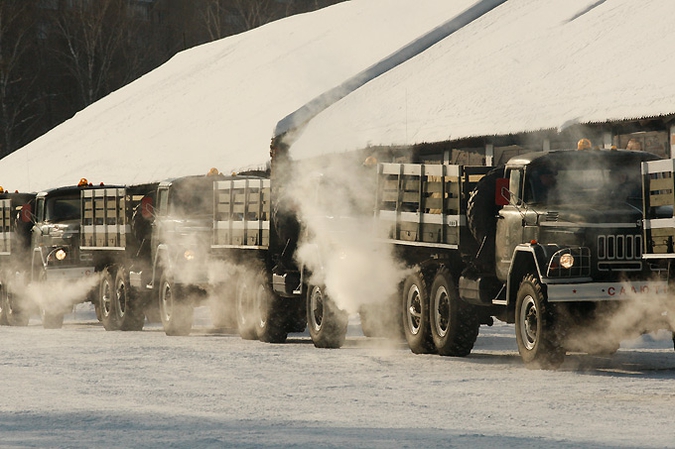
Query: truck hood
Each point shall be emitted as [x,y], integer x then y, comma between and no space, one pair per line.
[585,215]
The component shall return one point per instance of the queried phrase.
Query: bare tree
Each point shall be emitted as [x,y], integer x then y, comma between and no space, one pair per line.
[94,34]
[256,13]
[17,78]
[226,17]
[214,17]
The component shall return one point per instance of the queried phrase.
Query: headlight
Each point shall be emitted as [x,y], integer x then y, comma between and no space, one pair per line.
[567,261]
[60,254]
[189,254]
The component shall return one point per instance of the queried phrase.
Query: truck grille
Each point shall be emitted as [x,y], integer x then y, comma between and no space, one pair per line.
[619,252]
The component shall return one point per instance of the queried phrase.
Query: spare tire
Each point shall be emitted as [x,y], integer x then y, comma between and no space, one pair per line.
[481,217]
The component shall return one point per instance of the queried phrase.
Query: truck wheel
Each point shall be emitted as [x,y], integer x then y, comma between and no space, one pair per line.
[128,313]
[245,309]
[270,326]
[11,312]
[454,323]
[106,301]
[327,323]
[536,335]
[176,312]
[415,311]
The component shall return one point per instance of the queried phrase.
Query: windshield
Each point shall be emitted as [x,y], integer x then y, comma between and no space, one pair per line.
[191,202]
[589,186]
[62,209]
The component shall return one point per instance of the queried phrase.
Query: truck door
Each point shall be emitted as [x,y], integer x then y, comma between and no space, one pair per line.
[161,211]
[511,222]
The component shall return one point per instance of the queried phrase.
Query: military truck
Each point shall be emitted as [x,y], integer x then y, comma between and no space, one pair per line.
[15,225]
[551,242]
[199,237]
[130,250]
[61,273]
[158,249]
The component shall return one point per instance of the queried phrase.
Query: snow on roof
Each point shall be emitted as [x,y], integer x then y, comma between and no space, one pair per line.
[216,105]
[525,66]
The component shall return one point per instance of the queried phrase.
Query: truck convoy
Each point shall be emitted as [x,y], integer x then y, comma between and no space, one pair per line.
[554,242]
[136,251]
[155,250]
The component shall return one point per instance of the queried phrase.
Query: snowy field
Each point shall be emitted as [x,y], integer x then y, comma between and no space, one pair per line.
[83,387]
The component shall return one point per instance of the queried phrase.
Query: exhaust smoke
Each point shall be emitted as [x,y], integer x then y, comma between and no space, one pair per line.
[340,245]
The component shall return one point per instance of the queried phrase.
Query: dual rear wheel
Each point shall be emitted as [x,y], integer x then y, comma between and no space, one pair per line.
[435,320]
[116,308]
[260,313]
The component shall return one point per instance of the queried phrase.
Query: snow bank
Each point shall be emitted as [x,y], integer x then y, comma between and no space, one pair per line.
[216,105]
[527,65]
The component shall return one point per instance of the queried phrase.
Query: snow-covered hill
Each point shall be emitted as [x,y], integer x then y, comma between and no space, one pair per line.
[217,105]
[525,66]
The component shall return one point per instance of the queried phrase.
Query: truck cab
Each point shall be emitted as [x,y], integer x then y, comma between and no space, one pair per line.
[584,207]
[179,218]
[56,259]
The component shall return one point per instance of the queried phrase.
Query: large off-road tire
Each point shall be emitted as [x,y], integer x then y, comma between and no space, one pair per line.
[415,313]
[106,301]
[245,309]
[175,310]
[128,312]
[536,333]
[271,323]
[326,322]
[12,312]
[454,323]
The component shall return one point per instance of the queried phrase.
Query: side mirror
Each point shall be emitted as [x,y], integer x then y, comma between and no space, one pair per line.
[147,210]
[26,215]
[502,194]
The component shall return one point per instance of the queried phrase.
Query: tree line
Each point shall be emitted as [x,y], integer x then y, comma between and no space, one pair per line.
[59,56]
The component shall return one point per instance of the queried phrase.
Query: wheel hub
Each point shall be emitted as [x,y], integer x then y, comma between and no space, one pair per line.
[316,304]
[442,312]
[529,319]
[414,308]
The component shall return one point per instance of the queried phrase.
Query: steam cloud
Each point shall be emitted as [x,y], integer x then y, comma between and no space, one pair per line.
[340,245]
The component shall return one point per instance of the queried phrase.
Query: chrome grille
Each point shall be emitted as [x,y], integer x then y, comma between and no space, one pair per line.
[619,252]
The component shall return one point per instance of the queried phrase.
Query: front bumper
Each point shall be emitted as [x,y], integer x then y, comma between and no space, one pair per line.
[68,274]
[606,291]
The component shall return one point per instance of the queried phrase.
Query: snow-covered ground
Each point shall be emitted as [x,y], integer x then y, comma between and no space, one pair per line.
[83,387]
